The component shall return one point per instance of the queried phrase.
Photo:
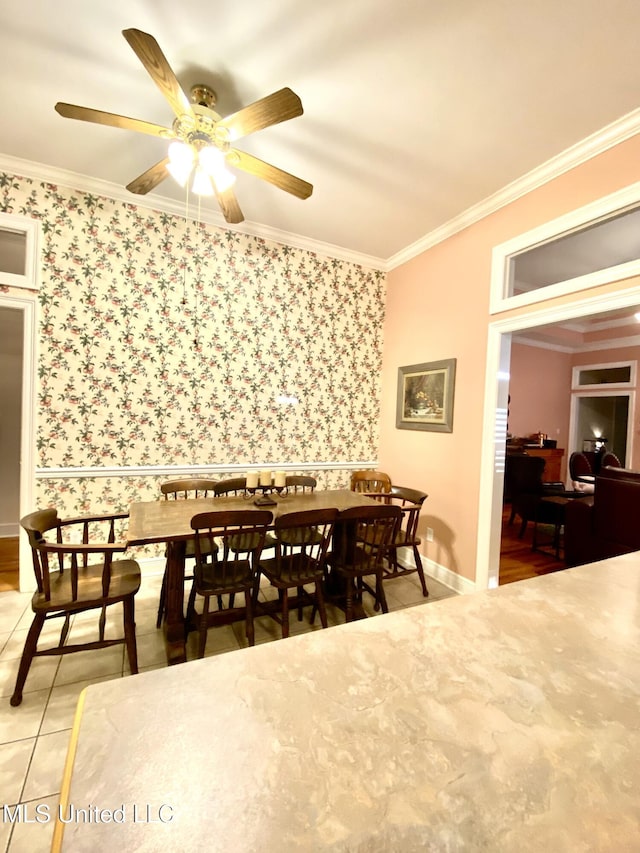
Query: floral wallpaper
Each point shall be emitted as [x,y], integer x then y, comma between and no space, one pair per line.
[166,342]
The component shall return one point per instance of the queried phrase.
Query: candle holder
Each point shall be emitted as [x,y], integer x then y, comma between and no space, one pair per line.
[252,491]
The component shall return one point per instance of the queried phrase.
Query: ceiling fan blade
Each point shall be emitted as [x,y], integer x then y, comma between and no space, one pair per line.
[112,120]
[150,179]
[148,52]
[277,177]
[229,206]
[280,106]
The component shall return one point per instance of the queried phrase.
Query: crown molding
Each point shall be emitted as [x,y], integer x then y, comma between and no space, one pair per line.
[599,142]
[85,183]
[592,346]
[604,325]
[532,342]
[614,343]
[608,324]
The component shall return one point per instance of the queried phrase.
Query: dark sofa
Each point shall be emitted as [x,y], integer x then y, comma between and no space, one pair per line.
[604,524]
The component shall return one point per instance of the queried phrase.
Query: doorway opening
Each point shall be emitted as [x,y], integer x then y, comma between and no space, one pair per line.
[18,457]
[11,347]
[19,251]
[602,422]
[496,413]
[618,273]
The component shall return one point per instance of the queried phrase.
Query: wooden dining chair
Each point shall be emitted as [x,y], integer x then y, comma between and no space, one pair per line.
[76,571]
[300,483]
[296,484]
[228,544]
[232,486]
[366,534]
[410,502]
[528,490]
[301,540]
[374,483]
[190,487]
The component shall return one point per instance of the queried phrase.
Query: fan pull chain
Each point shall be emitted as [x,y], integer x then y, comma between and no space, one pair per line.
[195,301]
[186,237]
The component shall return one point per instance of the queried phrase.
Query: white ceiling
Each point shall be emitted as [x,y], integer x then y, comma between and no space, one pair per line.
[415,110]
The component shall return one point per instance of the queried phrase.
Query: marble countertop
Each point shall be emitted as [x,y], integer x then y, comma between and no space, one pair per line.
[508,720]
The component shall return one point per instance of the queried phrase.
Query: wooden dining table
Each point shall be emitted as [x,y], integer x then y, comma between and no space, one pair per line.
[169,521]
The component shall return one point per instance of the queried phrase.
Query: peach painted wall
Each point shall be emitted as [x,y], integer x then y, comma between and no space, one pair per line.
[437,308]
[540,389]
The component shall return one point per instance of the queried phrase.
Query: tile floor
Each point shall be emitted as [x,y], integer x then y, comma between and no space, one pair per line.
[34,736]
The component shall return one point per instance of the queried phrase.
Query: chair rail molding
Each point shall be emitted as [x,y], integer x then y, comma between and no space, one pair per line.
[196,470]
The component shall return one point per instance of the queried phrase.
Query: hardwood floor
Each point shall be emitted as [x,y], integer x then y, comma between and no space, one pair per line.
[517,560]
[8,563]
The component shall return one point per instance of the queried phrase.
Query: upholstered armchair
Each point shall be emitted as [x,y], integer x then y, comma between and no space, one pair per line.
[605,524]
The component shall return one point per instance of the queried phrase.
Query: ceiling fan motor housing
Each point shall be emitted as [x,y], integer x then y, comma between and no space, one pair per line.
[203,96]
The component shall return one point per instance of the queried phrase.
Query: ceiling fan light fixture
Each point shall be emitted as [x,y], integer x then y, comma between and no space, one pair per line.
[202,183]
[210,159]
[223,179]
[181,160]
[212,162]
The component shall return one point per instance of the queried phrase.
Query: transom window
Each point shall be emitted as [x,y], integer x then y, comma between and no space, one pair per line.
[594,376]
[18,251]
[597,244]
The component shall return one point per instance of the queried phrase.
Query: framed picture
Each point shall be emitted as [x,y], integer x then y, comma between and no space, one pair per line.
[425,396]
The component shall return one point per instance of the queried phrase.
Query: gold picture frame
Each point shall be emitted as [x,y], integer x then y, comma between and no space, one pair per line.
[425,396]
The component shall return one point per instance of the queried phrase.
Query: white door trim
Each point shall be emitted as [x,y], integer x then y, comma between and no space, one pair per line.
[575,443]
[26,302]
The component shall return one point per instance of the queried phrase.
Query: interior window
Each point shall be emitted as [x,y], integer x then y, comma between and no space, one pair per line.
[594,245]
[13,252]
[598,246]
[591,375]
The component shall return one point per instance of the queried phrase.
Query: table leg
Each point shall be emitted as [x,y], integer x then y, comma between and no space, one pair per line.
[344,539]
[555,507]
[174,625]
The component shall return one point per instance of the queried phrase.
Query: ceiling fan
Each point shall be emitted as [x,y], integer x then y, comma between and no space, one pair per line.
[200,139]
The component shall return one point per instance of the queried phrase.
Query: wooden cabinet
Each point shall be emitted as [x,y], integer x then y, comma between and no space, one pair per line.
[553,462]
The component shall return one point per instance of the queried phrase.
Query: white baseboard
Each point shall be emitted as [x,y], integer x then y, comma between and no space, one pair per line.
[453,580]
[9,530]
[442,574]
[150,566]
